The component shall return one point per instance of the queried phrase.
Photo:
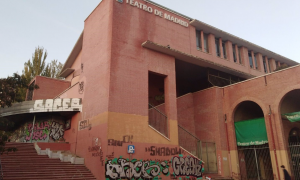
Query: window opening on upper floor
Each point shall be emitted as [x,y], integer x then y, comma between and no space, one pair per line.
[234,53]
[250,59]
[217,42]
[205,40]
[224,49]
[265,65]
[198,40]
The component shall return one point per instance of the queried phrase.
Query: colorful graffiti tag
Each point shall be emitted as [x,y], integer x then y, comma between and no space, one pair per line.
[43,131]
[120,168]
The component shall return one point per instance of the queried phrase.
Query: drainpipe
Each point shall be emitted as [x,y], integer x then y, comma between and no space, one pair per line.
[228,148]
[273,140]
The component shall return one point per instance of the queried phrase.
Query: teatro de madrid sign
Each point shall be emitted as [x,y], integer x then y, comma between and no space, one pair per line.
[159,13]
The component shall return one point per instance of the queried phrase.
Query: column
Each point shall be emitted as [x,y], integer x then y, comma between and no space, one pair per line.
[229,51]
[211,44]
[202,41]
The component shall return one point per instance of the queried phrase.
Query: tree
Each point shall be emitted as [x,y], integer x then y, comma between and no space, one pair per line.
[53,69]
[36,65]
[10,89]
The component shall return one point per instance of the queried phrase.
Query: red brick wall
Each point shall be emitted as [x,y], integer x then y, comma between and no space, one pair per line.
[48,87]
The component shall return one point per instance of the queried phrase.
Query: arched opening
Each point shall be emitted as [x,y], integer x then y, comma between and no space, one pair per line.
[247,110]
[290,115]
[252,142]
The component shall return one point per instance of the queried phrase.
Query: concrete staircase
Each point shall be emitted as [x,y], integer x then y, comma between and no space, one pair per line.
[27,164]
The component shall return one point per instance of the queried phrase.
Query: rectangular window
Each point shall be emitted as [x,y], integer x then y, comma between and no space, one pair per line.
[250,59]
[205,39]
[224,49]
[198,40]
[255,62]
[234,53]
[265,65]
[218,53]
[240,56]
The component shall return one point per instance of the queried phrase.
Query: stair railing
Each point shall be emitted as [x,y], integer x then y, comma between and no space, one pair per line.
[189,142]
[158,120]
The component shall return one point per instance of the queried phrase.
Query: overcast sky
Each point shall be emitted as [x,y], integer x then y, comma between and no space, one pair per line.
[57,24]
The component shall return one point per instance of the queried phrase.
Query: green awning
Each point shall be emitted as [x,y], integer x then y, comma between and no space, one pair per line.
[293,117]
[251,132]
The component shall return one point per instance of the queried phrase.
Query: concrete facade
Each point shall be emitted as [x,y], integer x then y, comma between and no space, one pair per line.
[125,41]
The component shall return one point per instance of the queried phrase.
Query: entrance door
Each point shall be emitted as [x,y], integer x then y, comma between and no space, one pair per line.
[255,162]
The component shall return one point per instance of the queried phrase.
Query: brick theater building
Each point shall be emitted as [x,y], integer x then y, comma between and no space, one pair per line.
[150,93]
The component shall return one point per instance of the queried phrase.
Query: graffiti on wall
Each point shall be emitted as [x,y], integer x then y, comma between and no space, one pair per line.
[163,151]
[187,166]
[120,168]
[183,167]
[85,124]
[126,139]
[43,131]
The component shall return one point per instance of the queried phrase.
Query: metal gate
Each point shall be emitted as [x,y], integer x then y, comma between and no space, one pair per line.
[255,162]
[209,156]
[295,157]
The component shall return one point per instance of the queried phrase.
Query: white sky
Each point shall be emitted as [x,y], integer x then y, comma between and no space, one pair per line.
[56,25]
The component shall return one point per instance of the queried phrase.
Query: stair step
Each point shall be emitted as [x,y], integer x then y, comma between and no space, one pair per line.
[26,164]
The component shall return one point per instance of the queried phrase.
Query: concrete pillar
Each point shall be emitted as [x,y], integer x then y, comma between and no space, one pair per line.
[260,62]
[229,51]
[202,40]
[253,60]
[272,64]
[211,44]
[244,56]
[267,63]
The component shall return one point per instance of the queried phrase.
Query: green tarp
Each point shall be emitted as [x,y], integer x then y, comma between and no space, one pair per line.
[251,132]
[293,117]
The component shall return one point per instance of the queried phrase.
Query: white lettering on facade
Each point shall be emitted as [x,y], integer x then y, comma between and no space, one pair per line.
[157,12]
[51,105]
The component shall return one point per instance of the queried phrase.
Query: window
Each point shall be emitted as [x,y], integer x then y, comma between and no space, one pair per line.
[198,40]
[205,39]
[234,53]
[255,62]
[240,56]
[224,49]
[217,47]
[250,59]
[265,65]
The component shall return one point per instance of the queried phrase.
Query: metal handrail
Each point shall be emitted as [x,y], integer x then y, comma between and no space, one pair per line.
[157,110]
[188,132]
